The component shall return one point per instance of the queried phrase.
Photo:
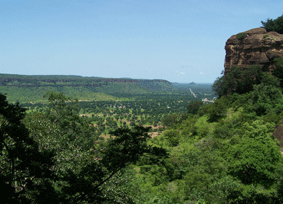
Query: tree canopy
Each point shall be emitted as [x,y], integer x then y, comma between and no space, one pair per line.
[58,154]
[274,24]
[24,168]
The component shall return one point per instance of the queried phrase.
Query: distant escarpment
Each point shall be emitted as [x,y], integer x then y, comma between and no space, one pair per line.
[253,47]
[10,80]
[26,88]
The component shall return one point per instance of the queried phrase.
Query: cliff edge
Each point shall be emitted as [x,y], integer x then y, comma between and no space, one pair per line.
[253,47]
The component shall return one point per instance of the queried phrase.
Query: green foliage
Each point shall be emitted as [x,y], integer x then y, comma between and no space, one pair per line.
[172,137]
[228,128]
[266,98]
[238,80]
[219,86]
[64,112]
[223,154]
[272,117]
[226,153]
[85,172]
[278,71]
[88,184]
[25,170]
[194,106]
[274,24]
[216,110]
[241,36]
[174,119]
[255,158]
[271,80]
[251,194]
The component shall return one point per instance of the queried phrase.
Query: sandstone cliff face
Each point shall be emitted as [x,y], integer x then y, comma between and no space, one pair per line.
[257,46]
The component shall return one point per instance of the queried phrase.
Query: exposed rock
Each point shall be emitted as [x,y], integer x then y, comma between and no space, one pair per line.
[256,46]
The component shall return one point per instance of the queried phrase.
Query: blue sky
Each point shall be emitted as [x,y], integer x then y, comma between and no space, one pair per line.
[176,40]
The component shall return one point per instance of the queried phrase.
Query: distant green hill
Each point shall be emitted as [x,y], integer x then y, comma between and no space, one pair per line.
[31,88]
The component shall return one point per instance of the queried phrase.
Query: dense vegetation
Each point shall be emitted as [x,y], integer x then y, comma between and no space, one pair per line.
[57,151]
[135,109]
[55,156]
[221,152]
[225,152]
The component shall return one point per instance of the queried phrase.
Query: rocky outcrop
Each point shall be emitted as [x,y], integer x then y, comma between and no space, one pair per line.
[253,47]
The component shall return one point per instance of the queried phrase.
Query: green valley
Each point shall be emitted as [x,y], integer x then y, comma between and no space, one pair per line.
[73,139]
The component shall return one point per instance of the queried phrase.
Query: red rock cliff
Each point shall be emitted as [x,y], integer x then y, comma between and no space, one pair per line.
[255,46]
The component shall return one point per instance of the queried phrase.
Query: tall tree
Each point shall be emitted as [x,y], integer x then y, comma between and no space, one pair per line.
[24,169]
[274,24]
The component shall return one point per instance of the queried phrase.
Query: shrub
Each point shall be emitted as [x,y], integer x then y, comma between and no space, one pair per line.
[256,158]
[204,109]
[172,137]
[266,98]
[174,119]
[218,109]
[241,36]
[194,106]
[278,72]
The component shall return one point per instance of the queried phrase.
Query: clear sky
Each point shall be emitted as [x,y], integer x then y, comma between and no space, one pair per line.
[176,40]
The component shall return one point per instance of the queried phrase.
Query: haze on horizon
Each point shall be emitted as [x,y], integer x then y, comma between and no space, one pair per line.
[179,41]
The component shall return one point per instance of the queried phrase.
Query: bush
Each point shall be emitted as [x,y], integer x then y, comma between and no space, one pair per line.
[266,98]
[194,106]
[256,158]
[218,109]
[241,36]
[226,129]
[204,109]
[278,72]
[174,119]
[172,137]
